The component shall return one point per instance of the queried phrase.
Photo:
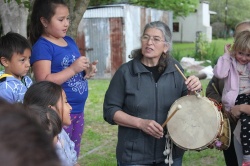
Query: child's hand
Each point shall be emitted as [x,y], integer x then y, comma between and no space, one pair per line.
[82,63]
[236,111]
[91,71]
[227,48]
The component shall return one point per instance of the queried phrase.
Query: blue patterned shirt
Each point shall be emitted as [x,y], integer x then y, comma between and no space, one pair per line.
[13,90]
[76,88]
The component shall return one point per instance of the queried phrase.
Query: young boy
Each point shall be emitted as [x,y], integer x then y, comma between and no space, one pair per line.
[15,52]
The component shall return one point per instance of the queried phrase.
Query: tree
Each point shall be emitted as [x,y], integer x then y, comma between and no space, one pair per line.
[237,11]
[14,15]
[77,9]
[179,7]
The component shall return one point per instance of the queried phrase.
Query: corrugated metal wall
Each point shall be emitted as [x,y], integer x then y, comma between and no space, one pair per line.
[97,41]
[110,33]
[116,43]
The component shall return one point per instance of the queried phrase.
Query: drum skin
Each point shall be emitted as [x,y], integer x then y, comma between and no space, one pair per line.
[196,125]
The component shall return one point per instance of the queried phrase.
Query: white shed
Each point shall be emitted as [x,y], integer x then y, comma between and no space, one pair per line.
[109,33]
[185,28]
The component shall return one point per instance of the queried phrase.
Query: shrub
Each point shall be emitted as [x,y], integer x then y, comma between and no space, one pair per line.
[205,50]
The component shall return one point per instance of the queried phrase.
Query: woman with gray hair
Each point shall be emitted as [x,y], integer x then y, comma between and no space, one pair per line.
[139,96]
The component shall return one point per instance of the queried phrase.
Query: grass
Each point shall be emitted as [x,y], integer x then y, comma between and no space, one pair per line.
[99,139]
[215,50]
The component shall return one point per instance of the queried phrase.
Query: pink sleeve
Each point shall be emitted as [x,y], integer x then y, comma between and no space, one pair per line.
[222,68]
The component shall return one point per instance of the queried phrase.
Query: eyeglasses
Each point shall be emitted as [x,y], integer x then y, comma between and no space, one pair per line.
[243,54]
[155,40]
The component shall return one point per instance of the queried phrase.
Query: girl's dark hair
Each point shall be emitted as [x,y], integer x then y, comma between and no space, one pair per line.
[45,9]
[47,118]
[55,121]
[39,113]
[44,94]
[168,40]
[21,137]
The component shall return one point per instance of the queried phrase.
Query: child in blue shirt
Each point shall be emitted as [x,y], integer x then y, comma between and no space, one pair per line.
[15,52]
[56,57]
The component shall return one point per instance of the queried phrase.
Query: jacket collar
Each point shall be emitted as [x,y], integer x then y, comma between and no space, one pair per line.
[138,67]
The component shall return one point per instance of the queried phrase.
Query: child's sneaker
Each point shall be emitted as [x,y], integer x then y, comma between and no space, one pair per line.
[246,163]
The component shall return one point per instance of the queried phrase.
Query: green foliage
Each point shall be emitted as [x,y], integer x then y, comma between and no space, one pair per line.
[202,46]
[101,2]
[237,11]
[183,50]
[179,7]
[211,51]
[205,50]
[176,54]
[26,3]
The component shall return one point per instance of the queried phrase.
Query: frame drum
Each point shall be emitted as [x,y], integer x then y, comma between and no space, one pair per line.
[196,125]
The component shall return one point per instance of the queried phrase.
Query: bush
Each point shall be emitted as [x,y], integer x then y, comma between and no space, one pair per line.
[205,50]
[213,50]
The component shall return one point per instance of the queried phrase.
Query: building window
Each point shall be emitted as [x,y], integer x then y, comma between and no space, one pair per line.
[176,26]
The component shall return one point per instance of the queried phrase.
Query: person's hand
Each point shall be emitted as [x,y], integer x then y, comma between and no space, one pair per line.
[227,48]
[151,127]
[92,69]
[193,83]
[77,164]
[235,110]
[82,63]
[230,116]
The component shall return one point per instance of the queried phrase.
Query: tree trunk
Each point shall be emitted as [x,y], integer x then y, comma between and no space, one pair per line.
[77,9]
[14,17]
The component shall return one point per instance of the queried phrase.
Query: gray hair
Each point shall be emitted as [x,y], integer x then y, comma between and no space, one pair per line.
[163,61]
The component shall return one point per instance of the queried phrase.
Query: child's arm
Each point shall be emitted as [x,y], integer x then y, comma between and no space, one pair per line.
[42,70]
[222,68]
[242,108]
[227,48]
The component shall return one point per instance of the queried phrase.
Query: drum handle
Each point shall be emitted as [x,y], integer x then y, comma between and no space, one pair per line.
[185,78]
[177,108]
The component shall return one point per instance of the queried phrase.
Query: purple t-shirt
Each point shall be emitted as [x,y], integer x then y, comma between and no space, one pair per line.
[76,88]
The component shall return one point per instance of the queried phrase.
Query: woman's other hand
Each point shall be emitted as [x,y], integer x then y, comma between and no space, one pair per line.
[151,127]
[193,83]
